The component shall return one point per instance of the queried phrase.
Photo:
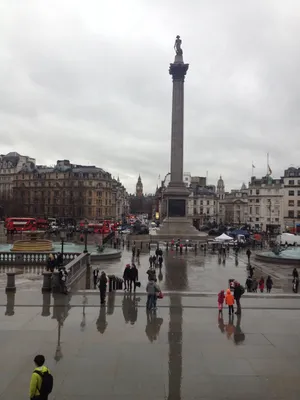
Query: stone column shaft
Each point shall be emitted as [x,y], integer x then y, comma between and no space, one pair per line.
[177,131]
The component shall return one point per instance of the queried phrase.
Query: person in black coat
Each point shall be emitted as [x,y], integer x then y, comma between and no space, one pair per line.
[102,282]
[134,277]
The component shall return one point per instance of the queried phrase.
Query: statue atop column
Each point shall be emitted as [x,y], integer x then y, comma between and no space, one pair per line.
[177,46]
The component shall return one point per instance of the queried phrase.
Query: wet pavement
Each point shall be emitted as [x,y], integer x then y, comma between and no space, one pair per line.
[181,352]
[190,272]
[195,272]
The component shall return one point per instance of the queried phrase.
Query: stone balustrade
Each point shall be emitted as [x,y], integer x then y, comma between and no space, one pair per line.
[9,257]
[76,269]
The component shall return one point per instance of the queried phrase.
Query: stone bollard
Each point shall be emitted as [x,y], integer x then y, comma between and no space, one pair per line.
[55,282]
[46,304]
[11,282]
[10,304]
[46,281]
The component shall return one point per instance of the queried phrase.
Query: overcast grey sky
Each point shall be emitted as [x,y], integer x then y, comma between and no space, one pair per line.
[88,81]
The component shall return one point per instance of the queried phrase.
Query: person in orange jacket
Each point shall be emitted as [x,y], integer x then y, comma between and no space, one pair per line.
[229,300]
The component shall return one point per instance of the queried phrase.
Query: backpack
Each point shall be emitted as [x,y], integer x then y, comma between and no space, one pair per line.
[242,290]
[47,382]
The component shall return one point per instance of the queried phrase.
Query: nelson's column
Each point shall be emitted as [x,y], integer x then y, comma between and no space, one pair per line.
[176,224]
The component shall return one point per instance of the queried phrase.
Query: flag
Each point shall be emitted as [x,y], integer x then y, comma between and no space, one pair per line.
[253,166]
[269,169]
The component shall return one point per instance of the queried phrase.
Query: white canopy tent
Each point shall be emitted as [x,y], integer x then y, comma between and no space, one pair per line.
[223,238]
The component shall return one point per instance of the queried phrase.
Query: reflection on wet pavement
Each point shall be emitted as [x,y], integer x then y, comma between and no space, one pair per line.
[196,272]
[120,351]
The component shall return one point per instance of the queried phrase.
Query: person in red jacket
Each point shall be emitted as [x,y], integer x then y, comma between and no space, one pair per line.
[221,298]
[261,284]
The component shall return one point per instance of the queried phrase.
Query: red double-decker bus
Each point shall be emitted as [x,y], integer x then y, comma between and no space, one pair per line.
[16,224]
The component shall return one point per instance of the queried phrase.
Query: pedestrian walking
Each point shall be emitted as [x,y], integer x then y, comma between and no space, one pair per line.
[221,298]
[251,271]
[254,285]
[261,285]
[229,300]
[126,277]
[102,282]
[238,293]
[248,252]
[41,383]
[269,284]
[160,261]
[138,252]
[248,284]
[154,260]
[152,290]
[295,285]
[295,273]
[134,277]
[133,251]
[150,261]
[95,276]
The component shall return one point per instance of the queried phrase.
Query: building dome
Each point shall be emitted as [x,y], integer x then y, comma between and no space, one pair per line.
[244,187]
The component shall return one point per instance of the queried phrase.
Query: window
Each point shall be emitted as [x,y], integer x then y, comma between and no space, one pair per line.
[207,202]
[298,203]
[257,191]
[257,201]
[201,203]
[298,214]
[291,192]
[251,191]
[298,182]
[291,182]
[195,202]
[195,210]
[291,203]
[207,211]
[250,210]
[256,210]
[291,213]
[298,193]
[256,219]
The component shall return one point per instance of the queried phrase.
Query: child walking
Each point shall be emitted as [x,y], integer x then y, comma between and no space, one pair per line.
[221,297]
[229,300]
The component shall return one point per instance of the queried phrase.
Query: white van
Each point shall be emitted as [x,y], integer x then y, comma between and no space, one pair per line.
[288,239]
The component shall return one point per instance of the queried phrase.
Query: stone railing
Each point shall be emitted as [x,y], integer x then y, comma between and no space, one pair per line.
[20,258]
[76,269]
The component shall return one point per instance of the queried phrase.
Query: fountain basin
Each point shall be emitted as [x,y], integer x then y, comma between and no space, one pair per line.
[288,256]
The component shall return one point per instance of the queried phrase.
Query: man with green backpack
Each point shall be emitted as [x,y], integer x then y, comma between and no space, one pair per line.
[41,383]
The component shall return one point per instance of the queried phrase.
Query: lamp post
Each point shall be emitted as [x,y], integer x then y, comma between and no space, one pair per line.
[85,236]
[62,234]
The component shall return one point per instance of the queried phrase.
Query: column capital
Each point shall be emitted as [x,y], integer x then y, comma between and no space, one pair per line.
[178,70]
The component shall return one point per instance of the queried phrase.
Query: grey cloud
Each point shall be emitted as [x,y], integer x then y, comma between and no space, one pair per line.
[89,81]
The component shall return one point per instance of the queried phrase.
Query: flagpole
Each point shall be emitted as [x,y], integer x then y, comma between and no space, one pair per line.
[267,164]
[252,170]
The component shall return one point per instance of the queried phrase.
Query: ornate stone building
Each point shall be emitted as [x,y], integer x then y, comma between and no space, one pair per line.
[10,165]
[70,191]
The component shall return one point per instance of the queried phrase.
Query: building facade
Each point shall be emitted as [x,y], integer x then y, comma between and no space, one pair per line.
[68,190]
[234,207]
[265,204]
[291,198]
[10,165]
